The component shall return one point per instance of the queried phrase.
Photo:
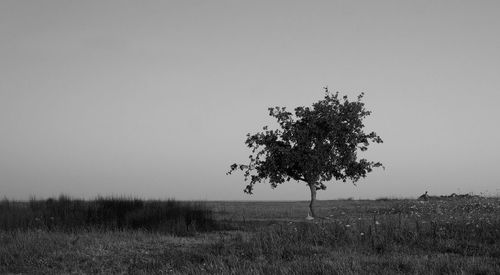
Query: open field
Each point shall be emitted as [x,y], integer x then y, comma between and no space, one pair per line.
[448,236]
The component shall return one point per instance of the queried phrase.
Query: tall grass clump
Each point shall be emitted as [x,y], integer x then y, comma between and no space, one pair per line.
[106,213]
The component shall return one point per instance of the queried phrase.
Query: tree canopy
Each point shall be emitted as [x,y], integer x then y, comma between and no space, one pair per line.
[313,144]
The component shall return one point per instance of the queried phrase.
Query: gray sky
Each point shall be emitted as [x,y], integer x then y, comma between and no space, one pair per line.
[154,98]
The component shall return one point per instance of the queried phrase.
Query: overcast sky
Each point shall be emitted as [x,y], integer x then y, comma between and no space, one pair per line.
[154,98]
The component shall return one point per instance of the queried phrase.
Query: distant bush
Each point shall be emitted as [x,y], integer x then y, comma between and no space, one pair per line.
[387,199]
[111,213]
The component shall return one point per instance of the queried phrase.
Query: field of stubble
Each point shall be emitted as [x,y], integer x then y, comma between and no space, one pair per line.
[447,236]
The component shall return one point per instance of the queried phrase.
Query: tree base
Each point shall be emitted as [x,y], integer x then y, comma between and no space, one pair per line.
[309,217]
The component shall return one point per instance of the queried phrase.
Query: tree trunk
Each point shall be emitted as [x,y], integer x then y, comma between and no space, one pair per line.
[312,186]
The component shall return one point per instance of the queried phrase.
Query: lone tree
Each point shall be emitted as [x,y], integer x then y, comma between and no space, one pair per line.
[314,145]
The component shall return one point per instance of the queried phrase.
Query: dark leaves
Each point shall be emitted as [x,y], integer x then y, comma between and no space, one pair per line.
[315,144]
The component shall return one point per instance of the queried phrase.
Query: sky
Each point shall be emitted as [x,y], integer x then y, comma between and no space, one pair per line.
[153,99]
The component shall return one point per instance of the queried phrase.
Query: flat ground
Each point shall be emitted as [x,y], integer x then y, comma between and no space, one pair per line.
[446,236]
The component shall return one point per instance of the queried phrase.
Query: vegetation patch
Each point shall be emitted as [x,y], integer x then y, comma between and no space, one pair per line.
[111,213]
[459,236]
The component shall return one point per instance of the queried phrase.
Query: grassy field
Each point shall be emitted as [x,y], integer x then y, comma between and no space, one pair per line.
[441,236]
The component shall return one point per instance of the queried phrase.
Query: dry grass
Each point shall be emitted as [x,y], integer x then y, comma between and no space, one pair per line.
[354,237]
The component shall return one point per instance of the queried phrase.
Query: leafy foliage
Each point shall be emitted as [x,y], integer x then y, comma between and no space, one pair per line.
[314,144]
